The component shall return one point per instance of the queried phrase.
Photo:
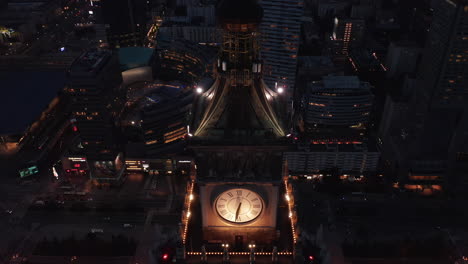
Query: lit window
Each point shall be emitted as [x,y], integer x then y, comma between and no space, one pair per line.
[151,142]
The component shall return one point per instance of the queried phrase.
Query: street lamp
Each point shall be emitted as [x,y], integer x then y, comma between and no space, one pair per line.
[204,258]
[252,253]
[225,253]
[280,90]
[199,90]
[274,255]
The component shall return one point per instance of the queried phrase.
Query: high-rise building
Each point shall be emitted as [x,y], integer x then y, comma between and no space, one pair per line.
[337,106]
[280,33]
[432,138]
[126,20]
[236,141]
[402,58]
[93,80]
[164,115]
[330,8]
[445,62]
[444,77]
[353,159]
[239,106]
[348,33]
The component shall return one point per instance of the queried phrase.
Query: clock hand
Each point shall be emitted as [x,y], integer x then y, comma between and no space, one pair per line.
[238,210]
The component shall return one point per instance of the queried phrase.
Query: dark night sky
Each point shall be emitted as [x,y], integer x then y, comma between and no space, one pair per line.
[24,96]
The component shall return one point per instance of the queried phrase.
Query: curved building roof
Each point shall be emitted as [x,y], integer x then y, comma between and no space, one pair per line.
[134,57]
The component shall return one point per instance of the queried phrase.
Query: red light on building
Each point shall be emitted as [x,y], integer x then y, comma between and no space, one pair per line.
[75,129]
[165,256]
[67,170]
[77,165]
[311,257]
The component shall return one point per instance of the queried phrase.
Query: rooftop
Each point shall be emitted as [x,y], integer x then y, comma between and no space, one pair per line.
[315,61]
[134,57]
[341,82]
[91,61]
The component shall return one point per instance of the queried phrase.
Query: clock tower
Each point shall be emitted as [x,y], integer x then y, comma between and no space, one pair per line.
[238,138]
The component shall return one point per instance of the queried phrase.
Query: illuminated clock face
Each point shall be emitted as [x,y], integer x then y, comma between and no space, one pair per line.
[239,205]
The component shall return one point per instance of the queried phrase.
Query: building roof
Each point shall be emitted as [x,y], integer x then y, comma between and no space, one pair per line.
[341,82]
[134,57]
[244,114]
[91,61]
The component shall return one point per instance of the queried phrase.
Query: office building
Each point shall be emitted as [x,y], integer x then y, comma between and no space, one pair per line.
[280,36]
[164,113]
[347,33]
[352,159]
[183,60]
[93,82]
[445,85]
[330,8]
[432,137]
[313,68]
[445,59]
[337,106]
[126,20]
[402,58]
[196,34]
